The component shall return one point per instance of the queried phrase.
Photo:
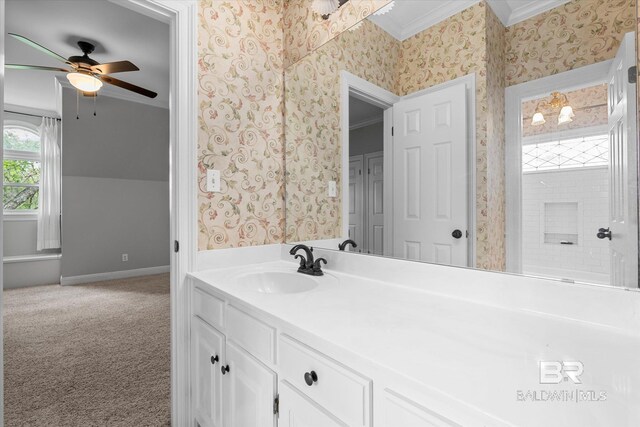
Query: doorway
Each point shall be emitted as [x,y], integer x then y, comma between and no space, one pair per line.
[182,18]
[366,176]
[572,200]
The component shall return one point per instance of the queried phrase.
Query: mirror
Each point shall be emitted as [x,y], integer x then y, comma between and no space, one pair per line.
[499,135]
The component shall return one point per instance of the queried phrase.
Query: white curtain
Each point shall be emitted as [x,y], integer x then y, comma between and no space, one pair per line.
[49,198]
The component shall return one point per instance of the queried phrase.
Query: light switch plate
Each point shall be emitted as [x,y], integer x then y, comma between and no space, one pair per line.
[213,180]
[332,189]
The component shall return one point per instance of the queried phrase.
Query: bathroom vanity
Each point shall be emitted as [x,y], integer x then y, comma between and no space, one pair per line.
[368,344]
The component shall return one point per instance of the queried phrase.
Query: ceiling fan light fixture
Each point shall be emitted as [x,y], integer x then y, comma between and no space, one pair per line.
[84,82]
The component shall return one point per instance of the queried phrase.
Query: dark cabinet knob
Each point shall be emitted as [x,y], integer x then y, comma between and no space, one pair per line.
[457,234]
[214,359]
[604,233]
[224,369]
[310,378]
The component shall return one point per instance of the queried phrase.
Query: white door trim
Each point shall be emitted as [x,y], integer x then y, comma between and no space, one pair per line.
[182,16]
[470,86]
[366,91]
[514,96]
[2,15]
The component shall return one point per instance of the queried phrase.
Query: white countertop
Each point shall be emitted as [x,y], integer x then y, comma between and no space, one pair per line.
[478,354]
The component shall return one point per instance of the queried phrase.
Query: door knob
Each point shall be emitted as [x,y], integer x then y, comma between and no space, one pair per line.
[224,369]
[457,234]
[214,359]
[604,233]
[310,378]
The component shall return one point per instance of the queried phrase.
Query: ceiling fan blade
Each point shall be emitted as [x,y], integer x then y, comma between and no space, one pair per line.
[34,67]
[38,47]
[128,86]
[114,67]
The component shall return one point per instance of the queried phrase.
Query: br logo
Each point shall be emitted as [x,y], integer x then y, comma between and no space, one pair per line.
[554,372]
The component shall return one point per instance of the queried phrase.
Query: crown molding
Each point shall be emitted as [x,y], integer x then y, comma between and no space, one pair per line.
[366,122]
[112,92]
[438,15]
[528,10]
[502,9]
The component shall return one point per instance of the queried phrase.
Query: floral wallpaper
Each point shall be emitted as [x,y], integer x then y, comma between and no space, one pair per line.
[589,105]
[313,133]
[305,30]
[579,33]
[245,45]
[490,230]
[241,107]
[472,41]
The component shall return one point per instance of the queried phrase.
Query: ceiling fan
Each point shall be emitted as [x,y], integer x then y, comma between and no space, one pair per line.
[86,74]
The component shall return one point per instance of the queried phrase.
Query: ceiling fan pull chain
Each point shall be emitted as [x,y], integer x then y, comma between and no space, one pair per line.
[95,96]
[77,105]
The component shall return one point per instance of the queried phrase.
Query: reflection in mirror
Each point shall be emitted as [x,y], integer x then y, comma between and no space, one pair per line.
[494,134]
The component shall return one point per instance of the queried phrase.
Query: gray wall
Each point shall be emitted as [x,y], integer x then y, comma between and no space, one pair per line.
[115,186]
[368,139]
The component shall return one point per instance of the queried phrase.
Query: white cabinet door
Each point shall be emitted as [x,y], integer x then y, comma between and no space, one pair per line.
[207,346]
[299,411]
[249,390]
[400,411]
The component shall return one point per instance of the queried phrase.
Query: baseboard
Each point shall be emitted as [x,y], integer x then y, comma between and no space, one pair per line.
[113,275]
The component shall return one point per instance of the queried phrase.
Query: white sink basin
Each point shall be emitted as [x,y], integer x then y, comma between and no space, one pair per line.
[276,282]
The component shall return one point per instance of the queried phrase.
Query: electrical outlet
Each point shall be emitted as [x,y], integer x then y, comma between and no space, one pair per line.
[125,257]
[332,189]
[213,180]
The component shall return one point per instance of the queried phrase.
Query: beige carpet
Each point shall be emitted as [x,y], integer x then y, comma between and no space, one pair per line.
[88,355]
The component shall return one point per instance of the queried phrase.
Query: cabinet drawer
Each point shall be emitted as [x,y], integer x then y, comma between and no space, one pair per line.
[341,391]
[253,335]
[208,308]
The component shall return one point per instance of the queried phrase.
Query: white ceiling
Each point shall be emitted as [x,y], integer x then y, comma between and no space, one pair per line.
[119,33]
[409,17]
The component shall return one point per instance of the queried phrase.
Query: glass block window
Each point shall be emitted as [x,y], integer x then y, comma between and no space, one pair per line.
[566,154]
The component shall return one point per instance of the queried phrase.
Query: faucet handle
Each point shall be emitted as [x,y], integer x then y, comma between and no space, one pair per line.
[316,264]
[303,261]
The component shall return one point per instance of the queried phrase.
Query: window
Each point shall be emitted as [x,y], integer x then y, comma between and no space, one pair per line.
[566,153]
[21,168]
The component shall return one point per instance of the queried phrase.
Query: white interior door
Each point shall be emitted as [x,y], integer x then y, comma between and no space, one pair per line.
[623,209]
[430,177]
[374,212]
[356,204]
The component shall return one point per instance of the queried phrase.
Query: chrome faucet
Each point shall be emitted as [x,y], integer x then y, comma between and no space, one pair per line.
[307,264]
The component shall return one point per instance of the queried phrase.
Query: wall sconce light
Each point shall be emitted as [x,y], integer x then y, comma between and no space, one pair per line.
[558,101]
